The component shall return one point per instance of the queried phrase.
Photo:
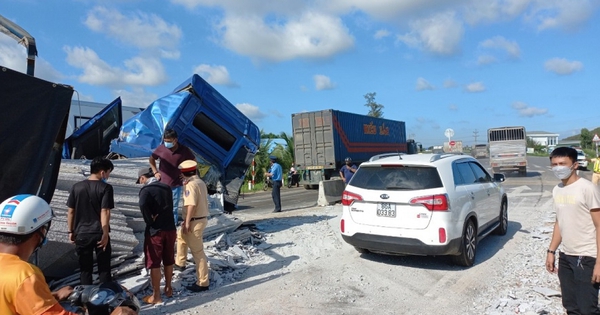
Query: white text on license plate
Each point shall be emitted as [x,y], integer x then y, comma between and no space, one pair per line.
[386,209]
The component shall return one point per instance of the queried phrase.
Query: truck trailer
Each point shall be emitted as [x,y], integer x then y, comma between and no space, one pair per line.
[323,139]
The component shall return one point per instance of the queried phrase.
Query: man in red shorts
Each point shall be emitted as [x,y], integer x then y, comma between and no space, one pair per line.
[156,204]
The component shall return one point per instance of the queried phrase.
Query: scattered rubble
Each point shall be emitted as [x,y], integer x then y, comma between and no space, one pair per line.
[525,287]
[229,248]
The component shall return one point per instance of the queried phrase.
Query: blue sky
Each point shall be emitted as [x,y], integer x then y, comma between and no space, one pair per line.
[468,65]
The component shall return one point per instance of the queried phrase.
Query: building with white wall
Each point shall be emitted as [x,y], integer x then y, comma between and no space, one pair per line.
[543,138]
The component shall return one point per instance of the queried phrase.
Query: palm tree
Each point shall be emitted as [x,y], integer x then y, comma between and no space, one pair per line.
[289,146]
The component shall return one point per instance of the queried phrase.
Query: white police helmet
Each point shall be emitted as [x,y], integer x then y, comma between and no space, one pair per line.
[24,214]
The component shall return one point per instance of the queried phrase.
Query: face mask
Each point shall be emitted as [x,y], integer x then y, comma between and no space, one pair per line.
[169,145]
[103,179]
[562,172]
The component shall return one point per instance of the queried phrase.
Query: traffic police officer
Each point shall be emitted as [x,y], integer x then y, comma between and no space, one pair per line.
[195,214]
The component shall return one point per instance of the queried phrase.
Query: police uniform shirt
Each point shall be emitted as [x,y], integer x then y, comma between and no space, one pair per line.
[276,172]
[196,194]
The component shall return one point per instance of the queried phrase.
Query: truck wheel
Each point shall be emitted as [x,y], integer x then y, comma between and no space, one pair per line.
[468,246]
[523,171]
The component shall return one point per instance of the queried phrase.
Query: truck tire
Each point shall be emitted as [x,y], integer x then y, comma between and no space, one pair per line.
[523,171]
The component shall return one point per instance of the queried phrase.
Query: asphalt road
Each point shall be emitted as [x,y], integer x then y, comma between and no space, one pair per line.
[291,199]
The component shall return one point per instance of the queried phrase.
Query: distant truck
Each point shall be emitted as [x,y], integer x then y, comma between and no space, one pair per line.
[480,151]
[323,139]
[508,149]
[453,147]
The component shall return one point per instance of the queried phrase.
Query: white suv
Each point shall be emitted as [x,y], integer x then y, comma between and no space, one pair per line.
[423,204]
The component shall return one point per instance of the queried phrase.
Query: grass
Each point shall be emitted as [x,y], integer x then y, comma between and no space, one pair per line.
[257,187]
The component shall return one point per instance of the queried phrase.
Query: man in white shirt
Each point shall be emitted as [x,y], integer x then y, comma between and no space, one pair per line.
[577,228]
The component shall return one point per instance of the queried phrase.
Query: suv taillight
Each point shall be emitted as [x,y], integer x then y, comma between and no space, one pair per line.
[433,203]
[348,198]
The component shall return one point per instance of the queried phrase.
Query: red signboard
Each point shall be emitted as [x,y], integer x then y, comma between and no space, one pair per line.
[452,143]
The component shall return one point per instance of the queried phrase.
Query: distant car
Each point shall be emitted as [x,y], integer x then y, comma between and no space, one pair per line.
[424,204]
[582,159]
[480,151]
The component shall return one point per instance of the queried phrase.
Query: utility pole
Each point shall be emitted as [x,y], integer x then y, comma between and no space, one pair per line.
[475,132]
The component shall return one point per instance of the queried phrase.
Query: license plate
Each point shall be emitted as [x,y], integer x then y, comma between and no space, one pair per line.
[386,209]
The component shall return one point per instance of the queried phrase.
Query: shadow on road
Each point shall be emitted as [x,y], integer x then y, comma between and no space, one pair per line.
[273,225]
[486,249]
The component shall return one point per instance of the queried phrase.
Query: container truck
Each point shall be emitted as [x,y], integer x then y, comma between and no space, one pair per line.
[323,139]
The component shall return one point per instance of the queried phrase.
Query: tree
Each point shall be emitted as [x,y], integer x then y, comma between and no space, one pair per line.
[586,138]
[537,147]
[375,109]
[289,147]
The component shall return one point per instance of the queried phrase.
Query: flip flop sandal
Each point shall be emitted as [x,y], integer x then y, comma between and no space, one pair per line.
[146,300]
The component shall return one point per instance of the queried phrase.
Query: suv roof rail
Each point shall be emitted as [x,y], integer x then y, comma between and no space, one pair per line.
[386,155]
[440,156]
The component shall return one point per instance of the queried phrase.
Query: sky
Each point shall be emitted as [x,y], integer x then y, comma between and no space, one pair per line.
[467,65]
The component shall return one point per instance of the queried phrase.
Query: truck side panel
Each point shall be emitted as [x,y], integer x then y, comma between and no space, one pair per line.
[360,137]
[323,139]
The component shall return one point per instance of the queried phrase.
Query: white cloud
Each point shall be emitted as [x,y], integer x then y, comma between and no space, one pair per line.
[323,82]
[215,74]
[311,35]
[135,97]
[138,71]
[440,34]
[423,85]
[510,47]
[14,56]
[489,11]
[251,111]
[453,107]
[475,87]
[563,66]
[381,34]
[562,14]
[486,60]
[141,30]
[449,83]
[525,110]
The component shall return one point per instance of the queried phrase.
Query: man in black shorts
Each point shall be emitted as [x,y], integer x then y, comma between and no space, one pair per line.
[89,203]
[156,204]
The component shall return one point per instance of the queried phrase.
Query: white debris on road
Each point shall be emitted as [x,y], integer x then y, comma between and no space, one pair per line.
[524,286]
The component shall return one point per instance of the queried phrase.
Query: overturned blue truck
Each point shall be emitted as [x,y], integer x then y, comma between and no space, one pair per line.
[223,139]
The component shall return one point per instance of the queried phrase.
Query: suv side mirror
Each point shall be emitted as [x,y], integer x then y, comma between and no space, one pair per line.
[499,177]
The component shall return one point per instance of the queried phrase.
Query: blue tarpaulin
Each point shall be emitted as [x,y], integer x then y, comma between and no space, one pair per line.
[223,139]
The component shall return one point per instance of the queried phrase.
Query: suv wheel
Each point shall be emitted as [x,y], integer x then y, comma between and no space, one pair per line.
[503,227]
[468,247]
